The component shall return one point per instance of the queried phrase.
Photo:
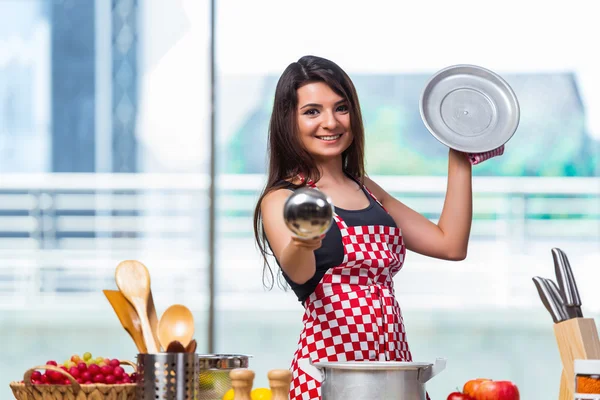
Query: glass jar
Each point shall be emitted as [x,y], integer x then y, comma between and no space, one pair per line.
[587,379]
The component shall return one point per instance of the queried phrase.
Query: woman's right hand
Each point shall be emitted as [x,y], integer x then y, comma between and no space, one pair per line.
[298,258]
[295,255]
[307,244]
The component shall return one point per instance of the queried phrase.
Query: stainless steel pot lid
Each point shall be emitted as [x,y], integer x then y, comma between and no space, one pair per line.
[372,365]
[469,108]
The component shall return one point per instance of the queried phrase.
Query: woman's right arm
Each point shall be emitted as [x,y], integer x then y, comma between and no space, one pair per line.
[296,256]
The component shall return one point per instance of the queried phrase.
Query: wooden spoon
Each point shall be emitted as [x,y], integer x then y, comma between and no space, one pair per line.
[176,323]
[175,347]
[128,317]
[133,280]
[191,347]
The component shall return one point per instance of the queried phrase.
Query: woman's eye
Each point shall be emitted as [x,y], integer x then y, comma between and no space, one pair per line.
[312,111]
[342,108]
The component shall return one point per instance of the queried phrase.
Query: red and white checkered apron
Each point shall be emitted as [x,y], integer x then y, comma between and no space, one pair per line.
[353,315]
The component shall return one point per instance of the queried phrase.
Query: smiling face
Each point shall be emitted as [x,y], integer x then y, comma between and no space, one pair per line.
[323,121]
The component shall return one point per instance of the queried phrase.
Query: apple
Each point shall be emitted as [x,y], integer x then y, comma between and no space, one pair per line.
[471,386]
[459,396]
[496,390]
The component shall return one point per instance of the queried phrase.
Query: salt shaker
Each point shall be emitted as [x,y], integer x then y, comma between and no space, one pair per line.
[279,381]
[241,381]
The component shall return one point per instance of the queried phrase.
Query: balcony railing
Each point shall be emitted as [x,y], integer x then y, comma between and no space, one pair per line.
[61,235]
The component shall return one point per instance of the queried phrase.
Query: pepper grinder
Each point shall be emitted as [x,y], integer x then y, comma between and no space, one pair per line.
[279,381]
[241,382]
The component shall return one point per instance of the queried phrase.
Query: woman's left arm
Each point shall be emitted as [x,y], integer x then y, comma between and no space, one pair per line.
[448,239]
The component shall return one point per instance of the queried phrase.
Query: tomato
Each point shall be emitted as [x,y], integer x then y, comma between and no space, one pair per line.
[459,396]
[471,386]
[497,390]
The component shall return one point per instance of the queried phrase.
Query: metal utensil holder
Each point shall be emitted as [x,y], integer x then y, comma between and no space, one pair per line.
[214,369]
[167,376]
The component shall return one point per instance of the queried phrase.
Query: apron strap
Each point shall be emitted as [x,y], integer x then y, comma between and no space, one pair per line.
[374,198]
[308,182]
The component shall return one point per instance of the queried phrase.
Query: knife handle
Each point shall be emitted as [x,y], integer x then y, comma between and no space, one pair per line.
[555,309]
[557,298]
[565,278]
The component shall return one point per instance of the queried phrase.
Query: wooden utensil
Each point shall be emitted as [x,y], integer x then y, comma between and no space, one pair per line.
[241,382]
[133,280]
[279,381]
[175,347]
[127,316]
[176,323]
[191,347]
[152,317]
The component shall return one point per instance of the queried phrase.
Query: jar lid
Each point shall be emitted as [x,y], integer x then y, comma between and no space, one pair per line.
[223,361]
[588,367]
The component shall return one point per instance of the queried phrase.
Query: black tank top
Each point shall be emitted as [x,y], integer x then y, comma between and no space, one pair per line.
[331,252]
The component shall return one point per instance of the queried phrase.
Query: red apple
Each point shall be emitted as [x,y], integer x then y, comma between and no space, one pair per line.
[497,390]
[471,386]
[459,396]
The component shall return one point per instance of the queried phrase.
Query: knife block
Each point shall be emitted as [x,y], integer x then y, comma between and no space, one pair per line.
[577,338]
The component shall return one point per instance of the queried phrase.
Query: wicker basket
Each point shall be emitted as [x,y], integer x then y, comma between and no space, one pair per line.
[75,391]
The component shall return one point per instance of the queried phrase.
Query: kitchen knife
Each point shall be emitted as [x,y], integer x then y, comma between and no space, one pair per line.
[555,309]
[566,283]
[556,296]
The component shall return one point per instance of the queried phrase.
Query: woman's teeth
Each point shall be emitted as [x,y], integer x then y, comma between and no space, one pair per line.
[329,138]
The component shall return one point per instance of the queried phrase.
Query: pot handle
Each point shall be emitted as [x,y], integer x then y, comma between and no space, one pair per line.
[426,374]
[306,365]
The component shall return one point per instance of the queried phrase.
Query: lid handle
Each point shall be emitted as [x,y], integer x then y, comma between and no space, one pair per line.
[425,374]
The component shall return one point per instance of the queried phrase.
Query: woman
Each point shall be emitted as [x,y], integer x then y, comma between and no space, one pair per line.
[344,278]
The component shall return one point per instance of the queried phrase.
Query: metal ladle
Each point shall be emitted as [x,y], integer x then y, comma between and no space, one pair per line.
[308,213]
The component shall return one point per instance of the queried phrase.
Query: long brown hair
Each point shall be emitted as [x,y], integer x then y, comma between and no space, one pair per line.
[287,156]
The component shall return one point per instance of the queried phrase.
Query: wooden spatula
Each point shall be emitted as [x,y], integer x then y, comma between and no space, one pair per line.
[128,317]
[133,279]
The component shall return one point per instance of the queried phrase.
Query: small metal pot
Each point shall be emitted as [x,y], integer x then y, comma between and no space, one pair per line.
[375,380]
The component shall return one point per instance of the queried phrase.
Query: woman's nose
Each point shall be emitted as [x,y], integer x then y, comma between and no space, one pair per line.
[329,121]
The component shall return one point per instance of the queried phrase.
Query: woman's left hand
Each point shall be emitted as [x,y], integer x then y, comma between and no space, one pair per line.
[478,158]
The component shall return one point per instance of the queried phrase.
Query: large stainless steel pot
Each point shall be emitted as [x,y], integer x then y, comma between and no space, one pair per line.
[374,380]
